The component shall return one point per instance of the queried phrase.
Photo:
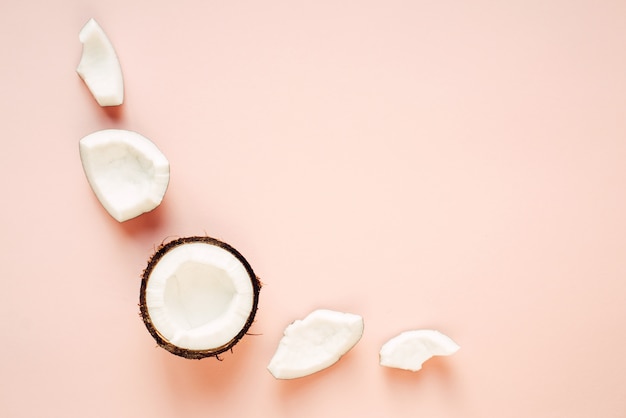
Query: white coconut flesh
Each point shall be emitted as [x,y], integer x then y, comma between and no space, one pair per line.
[126,171]
[315,343]
[411,349]
[199,296]
[99,66]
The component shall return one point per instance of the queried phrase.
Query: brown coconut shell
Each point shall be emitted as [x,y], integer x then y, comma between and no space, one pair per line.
[160,339]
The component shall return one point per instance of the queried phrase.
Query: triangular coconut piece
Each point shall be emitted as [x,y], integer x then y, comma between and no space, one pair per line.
[411,349]
[126,171]
[315,343]
[99,66]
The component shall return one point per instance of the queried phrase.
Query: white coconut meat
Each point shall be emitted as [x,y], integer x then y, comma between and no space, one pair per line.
[315,343]
[199,296]
[411,349]
[99,66]
[126,171]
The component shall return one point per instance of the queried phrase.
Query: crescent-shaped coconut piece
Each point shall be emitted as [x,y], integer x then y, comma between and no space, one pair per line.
[126,171]
[411,349]
[314,343]
[99,66]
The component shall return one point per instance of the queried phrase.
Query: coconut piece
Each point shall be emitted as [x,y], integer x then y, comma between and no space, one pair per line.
[99,66]
[411,349]
[126,171]
[315,343]
[198,297]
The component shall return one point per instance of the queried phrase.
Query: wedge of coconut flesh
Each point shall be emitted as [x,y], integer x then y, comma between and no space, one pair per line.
[99,67]
[315,343]
[411,349]
[198,297]
[126,171]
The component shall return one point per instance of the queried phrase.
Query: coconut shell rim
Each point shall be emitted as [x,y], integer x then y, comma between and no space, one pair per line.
[145,315]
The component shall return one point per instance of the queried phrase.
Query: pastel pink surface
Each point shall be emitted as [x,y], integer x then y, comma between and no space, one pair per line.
[447,165]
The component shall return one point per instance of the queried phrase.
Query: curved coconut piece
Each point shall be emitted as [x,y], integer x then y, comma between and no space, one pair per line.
[411,349]
[99,67]
[198,297]
[126,171]
[315,343]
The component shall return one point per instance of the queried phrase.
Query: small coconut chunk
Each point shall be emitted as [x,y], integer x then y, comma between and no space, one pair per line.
[126,171]
[315,343]
[99,66]
[411,349]
[198,297]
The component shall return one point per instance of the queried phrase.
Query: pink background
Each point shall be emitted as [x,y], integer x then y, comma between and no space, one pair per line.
[426,164]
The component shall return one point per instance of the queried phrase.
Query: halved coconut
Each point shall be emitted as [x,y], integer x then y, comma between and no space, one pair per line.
[315,343]
[198,297]
[411,349]
[126,171]
[99,66]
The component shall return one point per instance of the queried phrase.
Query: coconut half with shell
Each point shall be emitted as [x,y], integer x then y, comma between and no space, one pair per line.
[198,297]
